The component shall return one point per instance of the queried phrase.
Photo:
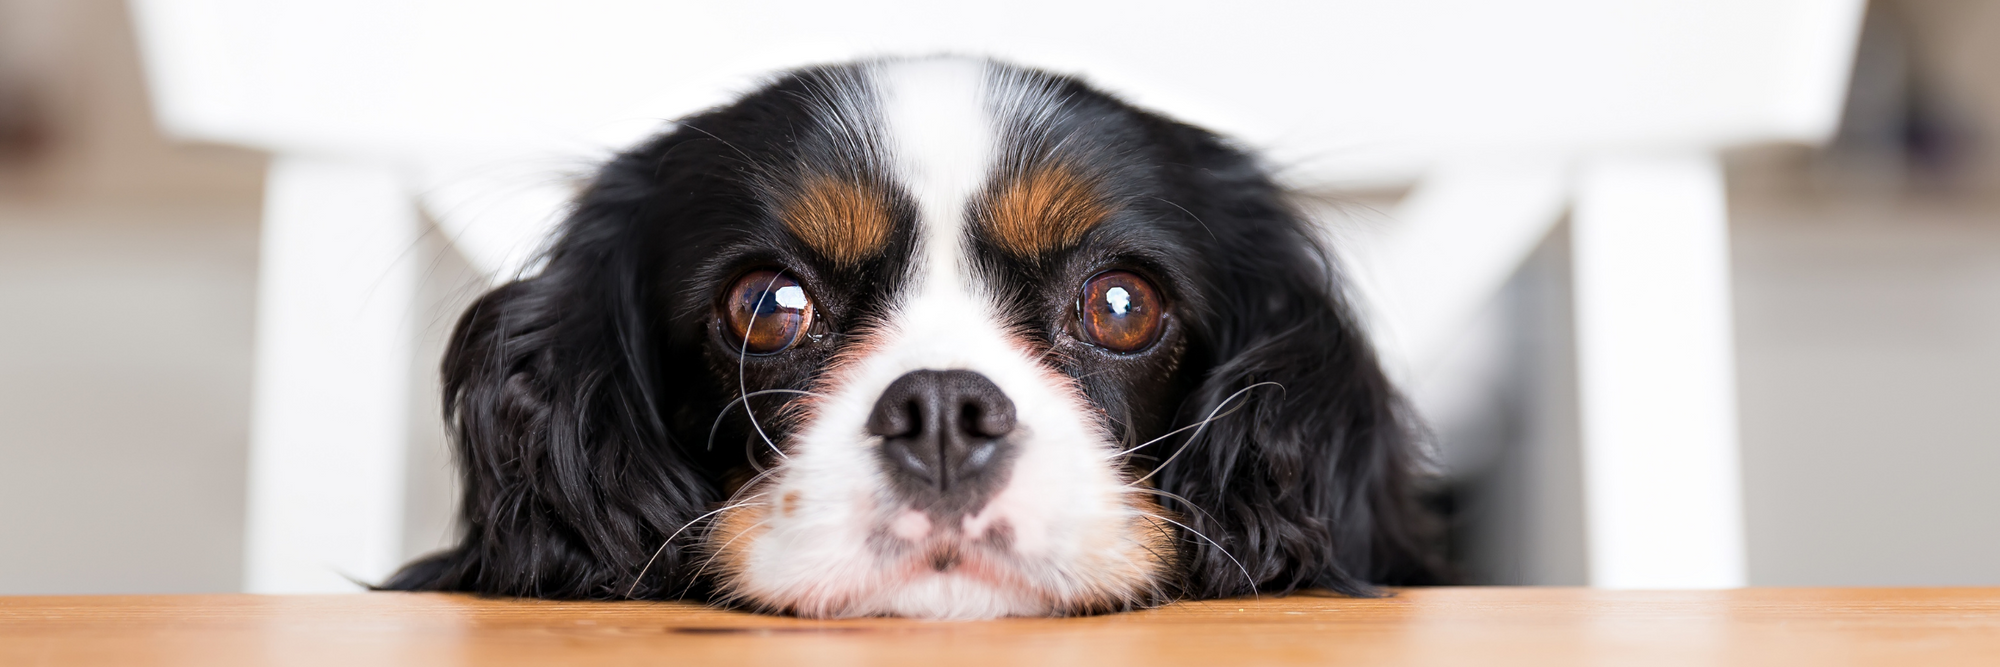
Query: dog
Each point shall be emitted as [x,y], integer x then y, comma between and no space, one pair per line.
[935,338]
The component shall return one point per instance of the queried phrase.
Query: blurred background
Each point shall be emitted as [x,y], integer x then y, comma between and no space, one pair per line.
[1866,324]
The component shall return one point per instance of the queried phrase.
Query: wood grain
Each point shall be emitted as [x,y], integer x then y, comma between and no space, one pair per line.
[1440,626]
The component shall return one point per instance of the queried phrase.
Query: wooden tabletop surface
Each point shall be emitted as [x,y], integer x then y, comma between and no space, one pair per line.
[1438,626]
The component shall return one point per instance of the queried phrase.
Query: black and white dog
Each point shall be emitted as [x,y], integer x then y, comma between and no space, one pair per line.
[939,338]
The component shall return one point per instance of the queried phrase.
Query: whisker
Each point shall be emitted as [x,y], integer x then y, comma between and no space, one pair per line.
[1157,557]
[750,484]
[1190,214]
[1197,434]
[1184,501]
[1080,378]
[1211,417]
[718,554]
[742,386]
[1172,433]
[1218,549]
[740,399]
[670,540]
[725,142]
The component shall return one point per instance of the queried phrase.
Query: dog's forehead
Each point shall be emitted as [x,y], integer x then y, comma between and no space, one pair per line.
[965,151]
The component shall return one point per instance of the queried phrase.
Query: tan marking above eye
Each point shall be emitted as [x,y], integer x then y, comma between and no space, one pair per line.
[1048,208]
[846,221]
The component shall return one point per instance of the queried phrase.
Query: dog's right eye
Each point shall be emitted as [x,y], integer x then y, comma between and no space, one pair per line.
[1119,311]
[767,311]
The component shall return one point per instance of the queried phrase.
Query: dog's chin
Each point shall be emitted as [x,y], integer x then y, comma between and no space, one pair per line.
[914,588]
[961,594]
[937,581]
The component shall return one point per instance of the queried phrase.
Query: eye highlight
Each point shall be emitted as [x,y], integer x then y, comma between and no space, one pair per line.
[767,311]
[1119,311]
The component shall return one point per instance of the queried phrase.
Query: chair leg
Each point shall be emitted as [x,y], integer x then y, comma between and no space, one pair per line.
[329,415]
[1456,240]
[1657,392]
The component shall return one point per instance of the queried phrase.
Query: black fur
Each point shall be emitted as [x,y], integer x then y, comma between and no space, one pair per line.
[583,399]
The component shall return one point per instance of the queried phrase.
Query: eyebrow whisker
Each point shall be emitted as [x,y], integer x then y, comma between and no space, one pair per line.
[742,386]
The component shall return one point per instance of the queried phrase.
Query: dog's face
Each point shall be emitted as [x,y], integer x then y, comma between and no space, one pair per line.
[936,338]
[980,304]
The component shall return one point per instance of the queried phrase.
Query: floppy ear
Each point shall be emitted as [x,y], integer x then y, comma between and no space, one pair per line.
[1308,479]
[550,388]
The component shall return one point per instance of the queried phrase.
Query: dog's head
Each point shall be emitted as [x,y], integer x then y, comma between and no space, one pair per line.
[938,338]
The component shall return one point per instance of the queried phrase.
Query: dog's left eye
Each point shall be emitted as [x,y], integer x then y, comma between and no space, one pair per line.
[1119,311]
[767,311]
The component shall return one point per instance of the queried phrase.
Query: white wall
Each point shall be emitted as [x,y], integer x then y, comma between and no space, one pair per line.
[124,397]
[1869,357]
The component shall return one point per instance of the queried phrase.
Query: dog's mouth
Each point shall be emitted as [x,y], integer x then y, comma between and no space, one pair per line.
[978,547]
[969,558]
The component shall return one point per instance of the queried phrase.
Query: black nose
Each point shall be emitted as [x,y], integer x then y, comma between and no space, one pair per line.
[944,437]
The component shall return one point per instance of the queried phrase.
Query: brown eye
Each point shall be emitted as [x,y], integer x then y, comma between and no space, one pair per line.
[767,311]
[1120,311]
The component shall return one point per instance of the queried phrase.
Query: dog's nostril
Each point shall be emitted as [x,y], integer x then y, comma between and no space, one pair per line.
[981,418]
[901,421]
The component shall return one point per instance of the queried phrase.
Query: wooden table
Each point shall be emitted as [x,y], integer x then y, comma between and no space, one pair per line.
[1442,626]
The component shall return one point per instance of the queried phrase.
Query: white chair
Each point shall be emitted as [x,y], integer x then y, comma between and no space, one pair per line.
[1503,114]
